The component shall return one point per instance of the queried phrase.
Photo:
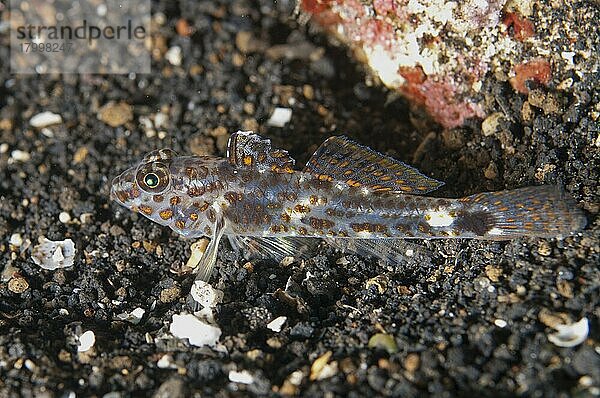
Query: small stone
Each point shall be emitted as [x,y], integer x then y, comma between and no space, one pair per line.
[412,362]
[243,377]
[64,217]
[565,289]
[493,273]
[489,126]
[52,255]
[198,248]
[570,335]
[318,365]
[205,295]
[174,55]
[308,91]
[527,112]
[246,42]
[4,147]
[544,248]
[183,28]
[274,342]
[384,341]
[86,341]
[501,323]
[160,120]
[20,156]
[199,333]
[80,155]
[277,324]
[491,171]
[18,285]
[16,240]
[280,117]
[249,108]
[45,119]
[170,294]
[379,281]
[116,114]
[134,316]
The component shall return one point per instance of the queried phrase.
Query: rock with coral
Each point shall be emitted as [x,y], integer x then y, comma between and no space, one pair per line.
[439,53]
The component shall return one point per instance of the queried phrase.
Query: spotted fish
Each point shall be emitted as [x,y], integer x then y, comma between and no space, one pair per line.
[355,198]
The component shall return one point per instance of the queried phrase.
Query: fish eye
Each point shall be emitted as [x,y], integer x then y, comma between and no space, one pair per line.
[151,180]
[153,177]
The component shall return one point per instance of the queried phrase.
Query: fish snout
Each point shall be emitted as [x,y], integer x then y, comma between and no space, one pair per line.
[123,188]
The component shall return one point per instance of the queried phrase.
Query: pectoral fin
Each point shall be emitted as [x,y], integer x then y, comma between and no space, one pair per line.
[339,158]
[273,248]
[209,259]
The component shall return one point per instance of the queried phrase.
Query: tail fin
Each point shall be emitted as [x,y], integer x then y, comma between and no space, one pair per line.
[543,211]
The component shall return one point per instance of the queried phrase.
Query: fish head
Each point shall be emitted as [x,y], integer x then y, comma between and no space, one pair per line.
[176,191]
[143,187]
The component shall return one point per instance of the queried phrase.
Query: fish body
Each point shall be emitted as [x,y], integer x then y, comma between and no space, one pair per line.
[345,192]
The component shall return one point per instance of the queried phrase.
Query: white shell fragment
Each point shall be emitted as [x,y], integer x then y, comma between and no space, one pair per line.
[16,240]
[45,119]
[198,248]
[205,295]
[280,117]
[52,255]
[174,55]
[134,316]
[570,335]
[20,156]
[243,377]
[187,326]
[86,341]
[277,323]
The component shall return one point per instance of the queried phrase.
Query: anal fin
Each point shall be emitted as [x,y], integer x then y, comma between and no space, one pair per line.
[390,251]
[339,158]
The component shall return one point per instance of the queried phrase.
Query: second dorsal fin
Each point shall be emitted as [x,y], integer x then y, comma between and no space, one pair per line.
[247,149]
[339,158]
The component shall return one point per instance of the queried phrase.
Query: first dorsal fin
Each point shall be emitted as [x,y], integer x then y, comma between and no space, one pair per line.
[339,158]
[247,149]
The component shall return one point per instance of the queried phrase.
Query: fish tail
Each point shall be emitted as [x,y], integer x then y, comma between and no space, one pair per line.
[542,211]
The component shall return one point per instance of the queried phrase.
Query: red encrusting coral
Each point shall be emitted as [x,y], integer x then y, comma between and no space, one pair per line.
[321,10]
[439,98]
[538,70]
[522,27]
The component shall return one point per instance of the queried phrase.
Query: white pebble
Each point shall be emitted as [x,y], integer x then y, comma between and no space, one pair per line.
[243,377]
[85,218]
[45,119]
[86,341]
[280,117]
[64,217]
[501,323]
[3,148]
[205,295]
[134,316]
[174,55]
[187,326]
[20,156]
[570,335]
[166,362]
[277,323]
[16,240]
[52,255]
[160,120]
